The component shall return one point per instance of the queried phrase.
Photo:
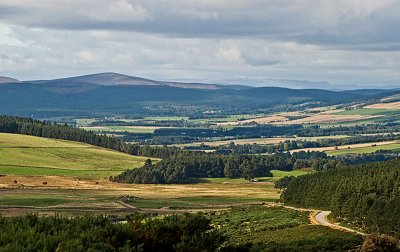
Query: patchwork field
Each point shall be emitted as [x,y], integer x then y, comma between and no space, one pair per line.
[355,148]
[28,155]
[130,129]
[259,120]
[323,115]
[260,141]
[329,118]
[366,149]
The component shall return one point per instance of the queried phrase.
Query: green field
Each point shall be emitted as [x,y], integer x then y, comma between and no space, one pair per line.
[361,150]
[368,111]
[35,200]
[383,115]
[28,155]
[276,175]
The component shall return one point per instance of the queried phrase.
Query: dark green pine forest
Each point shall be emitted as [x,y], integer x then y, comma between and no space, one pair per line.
[365,195]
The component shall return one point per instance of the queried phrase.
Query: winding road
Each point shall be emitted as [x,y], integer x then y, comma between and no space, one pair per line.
[320,218]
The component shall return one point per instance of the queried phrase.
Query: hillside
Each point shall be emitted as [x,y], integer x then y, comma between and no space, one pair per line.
[111,94]
[29,155]
[7,80]
[114,79]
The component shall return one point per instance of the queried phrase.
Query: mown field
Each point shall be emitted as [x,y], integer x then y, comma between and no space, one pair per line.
[28,155]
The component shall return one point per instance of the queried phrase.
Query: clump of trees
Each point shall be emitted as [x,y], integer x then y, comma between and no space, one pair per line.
[191,167]
[283,182]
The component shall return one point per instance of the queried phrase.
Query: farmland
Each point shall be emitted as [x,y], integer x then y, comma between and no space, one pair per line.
[388,105]
[368,148]
[61,192]
[42,172]
[29,155]
[72,195]
[355,148]
[261,141]
[118,129]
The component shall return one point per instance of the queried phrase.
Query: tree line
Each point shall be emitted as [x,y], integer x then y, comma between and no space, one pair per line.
[191,167]
[366,195]
[27,126]
[194,166]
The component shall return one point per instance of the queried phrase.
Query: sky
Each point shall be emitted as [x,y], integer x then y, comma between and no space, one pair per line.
[338,41]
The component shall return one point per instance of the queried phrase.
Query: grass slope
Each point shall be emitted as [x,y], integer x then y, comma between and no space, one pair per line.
[28,155]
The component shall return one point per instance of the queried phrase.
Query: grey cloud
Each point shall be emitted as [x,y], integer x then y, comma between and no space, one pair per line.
[340,41]
[347,24]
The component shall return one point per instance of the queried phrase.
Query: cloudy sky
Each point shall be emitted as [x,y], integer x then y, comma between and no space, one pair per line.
[340,41]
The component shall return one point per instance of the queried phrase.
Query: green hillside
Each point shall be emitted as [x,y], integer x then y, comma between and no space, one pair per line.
[29,155]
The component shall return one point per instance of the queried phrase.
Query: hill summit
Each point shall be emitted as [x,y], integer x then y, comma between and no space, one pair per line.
[4,79]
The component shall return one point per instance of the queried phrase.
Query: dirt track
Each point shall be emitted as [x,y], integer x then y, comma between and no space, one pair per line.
[318,217]
[321,219]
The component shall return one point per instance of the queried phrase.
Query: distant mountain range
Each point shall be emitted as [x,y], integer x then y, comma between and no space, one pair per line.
[300,84]
[112,79]
[117,94]
[115,79]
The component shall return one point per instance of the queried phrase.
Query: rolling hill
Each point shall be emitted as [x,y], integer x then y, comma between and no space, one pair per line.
[115,79]
[29,155]
[115,94]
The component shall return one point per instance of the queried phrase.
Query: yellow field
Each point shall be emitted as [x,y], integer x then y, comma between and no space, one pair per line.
[389,105]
